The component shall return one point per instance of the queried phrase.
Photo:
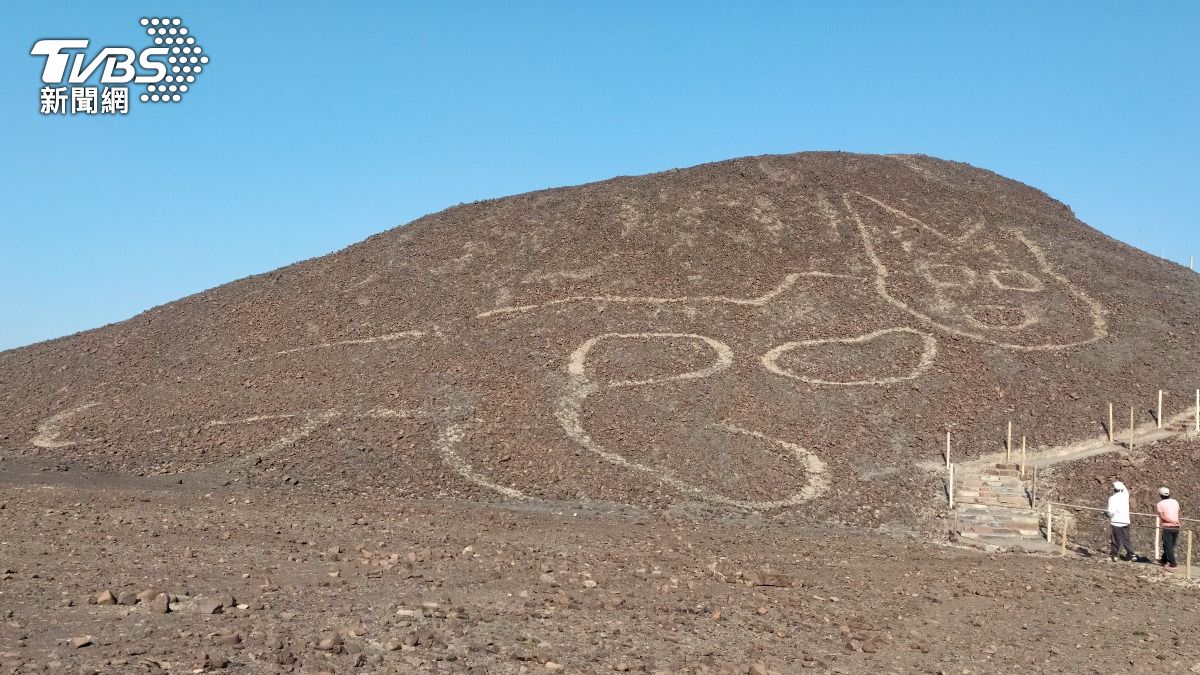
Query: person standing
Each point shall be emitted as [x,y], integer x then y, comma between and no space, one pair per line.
[1118,521]
[1168,516]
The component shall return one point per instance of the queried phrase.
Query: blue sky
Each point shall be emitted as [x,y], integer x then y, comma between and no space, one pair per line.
[318,124]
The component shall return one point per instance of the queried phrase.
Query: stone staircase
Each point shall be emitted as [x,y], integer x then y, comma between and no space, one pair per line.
[993,505]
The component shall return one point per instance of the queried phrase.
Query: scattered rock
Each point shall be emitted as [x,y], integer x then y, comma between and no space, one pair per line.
[770,579]
[330,642]
[146,596]
[161,604]
[210,606]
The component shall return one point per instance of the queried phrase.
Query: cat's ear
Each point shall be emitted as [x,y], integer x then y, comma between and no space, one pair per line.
[906,240]
[991,283]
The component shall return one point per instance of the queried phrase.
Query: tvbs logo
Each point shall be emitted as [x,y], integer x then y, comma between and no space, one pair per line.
[118,63]
[168,69]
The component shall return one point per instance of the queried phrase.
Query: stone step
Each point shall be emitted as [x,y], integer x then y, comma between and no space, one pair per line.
[966,525]
[1014,502]
[999,492]
[1001,532]
[1034,529]
[993,531]
[1026,518]
[997,537]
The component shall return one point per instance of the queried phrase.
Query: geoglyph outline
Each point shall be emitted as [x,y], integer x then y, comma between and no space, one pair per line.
[788,282]
[770,359]
[1096,310]
[570,404]
[570,417]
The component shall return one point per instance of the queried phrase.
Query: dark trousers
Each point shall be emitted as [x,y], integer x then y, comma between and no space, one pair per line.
[1170,535]
[1120,540]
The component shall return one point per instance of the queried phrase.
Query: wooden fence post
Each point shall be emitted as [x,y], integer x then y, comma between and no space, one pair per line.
[1111,438]
[1050,523]
[1022,456]
[1157,539]
[1189,557]
[1033,496]
[950,486]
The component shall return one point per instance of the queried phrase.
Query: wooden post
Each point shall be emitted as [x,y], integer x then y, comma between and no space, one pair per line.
[1049,523]
[1022,456]
[1111,438]
[1008,445]
[947,450]
[1157,539]
[950,487]
[1160,393]
[1131,418]
[1189,557]
[1033,495]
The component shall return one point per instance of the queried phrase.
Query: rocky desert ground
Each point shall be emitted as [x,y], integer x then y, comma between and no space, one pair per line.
[305,580]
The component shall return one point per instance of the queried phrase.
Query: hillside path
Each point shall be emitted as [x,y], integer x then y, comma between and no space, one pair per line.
[1177,425]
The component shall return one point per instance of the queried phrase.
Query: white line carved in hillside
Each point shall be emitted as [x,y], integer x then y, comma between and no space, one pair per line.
[343,343]
[1016,280]
[446,443]
[967,234]
[972,316]
[770,360]
[312,421]
[788,282]
[577,364]
[374,413]
[50,428]
[1030,334]
[225,423]
[570,417]
[818,480]
[948,276]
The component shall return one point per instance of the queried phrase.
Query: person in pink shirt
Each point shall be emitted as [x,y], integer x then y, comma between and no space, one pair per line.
[1168,516]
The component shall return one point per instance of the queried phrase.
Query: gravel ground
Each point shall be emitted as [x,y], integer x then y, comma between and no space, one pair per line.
[309,583]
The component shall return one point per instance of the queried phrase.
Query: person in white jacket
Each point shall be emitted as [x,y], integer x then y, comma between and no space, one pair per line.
[1118,522]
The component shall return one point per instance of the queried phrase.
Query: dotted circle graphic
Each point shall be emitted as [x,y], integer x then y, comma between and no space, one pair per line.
[185,59]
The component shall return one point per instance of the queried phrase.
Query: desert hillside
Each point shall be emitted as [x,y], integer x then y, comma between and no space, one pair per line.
[770,334]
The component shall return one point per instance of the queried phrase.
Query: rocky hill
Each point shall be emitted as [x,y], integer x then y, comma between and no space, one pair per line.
[781,334]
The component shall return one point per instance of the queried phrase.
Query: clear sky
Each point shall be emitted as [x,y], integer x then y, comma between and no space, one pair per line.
[317,124]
